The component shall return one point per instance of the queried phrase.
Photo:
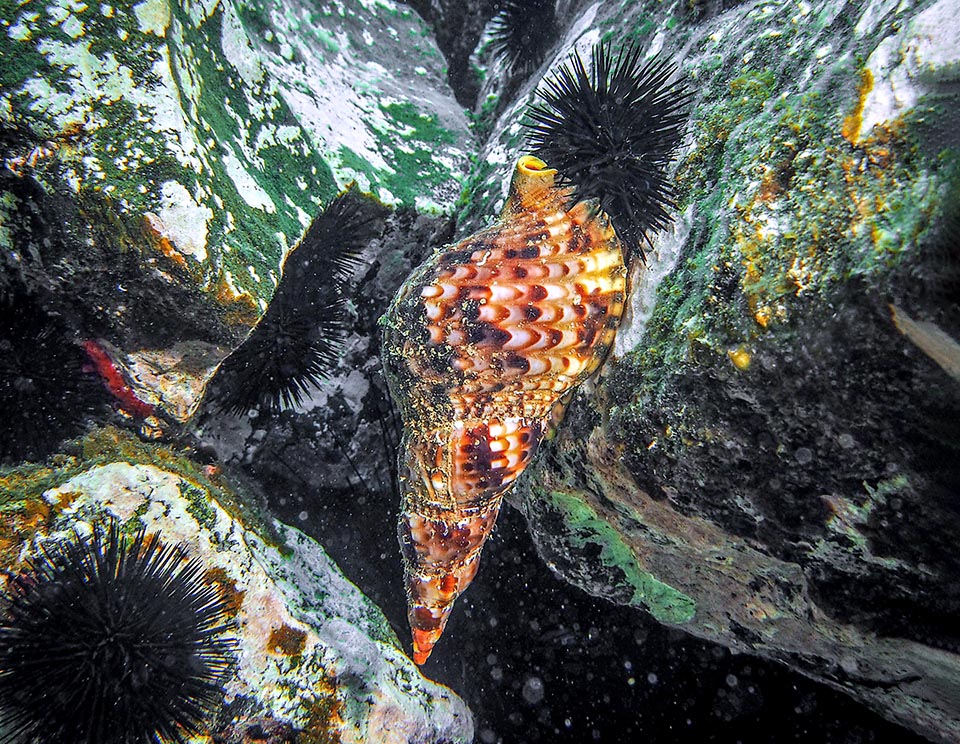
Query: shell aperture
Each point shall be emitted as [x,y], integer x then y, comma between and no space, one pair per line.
[481,345]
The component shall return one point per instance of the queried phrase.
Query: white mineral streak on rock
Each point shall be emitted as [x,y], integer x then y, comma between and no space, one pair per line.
[340,94]
[320,90]
[46,100]
[72,27]
[346,637]
[426,205]
[258,92]
[199,10]
[58,11]
[873,15]
[371,5]
[238,50]
[932,48]
[99,80]
[19,32]
[162,105]
[246,184]
[906,65]
[231,288]
[893,92]
[661,261]
[182,221]
[153,16]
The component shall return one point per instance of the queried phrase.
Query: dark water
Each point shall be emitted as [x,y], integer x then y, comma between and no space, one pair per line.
[538,660]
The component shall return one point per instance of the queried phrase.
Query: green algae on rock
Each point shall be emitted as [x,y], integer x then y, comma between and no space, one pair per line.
[162,158]
[279,584]
[765,439]
[584,528]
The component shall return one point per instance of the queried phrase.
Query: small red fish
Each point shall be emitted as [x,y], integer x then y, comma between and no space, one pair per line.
[113,380]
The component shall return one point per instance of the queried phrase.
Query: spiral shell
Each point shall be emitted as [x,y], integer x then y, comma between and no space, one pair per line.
[481,345]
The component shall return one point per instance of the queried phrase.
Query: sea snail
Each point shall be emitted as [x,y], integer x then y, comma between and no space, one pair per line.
[482,346]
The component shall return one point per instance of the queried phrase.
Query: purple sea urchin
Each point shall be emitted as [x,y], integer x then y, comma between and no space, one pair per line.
[611,133]
[522,33]
[110,639]
[296,342]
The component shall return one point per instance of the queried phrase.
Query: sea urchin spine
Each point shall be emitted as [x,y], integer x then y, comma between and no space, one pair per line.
[611,133]
[523,32]
[295,344]
[111,639]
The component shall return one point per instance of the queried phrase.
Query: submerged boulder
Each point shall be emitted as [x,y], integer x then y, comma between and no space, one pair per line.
[314,657]
[769,458]
[161,159]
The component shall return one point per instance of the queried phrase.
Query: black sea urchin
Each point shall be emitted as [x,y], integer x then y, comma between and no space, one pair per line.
[110,639]
[611,133]
[296,342]
[45,395]
[523,32]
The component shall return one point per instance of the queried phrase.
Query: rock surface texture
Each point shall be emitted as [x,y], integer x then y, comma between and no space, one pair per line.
[162,157]
[769,459]
[314,656]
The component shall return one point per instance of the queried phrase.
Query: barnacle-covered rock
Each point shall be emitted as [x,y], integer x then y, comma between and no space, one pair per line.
[313,655]
[482,344]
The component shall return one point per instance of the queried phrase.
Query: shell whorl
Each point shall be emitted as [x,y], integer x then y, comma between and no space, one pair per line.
[481,345]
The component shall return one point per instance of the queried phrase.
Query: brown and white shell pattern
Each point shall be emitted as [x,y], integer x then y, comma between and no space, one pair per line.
[481,345]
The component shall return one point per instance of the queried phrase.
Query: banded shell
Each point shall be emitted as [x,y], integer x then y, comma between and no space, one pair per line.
[482,345]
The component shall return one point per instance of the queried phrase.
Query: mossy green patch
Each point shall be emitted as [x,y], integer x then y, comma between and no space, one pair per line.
[328,40]
[133,524]
[413,172]
[198,504]
[417,171]
[795,210]
[231,112]
[586,527]
[233,145]
[21,60]
[23,485]
[423,127]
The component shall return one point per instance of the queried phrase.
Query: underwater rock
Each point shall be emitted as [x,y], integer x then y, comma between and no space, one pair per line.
[768,461]
[457,26]
[160,158]
[313,655]
[112,637]
[329,465]
[341,439]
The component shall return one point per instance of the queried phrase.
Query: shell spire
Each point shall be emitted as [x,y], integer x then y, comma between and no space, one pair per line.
[481,346]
